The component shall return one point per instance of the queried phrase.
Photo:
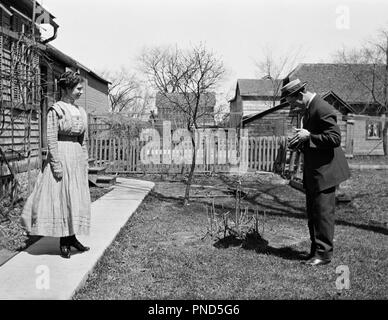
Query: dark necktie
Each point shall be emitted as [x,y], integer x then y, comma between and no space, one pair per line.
[306,116]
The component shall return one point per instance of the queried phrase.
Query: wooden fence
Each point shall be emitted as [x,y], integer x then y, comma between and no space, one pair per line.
[132,156]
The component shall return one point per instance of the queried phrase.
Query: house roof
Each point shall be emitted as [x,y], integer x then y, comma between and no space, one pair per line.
[349,81]
[64,58]
[252,117]
[284,105]
[26,7]
[342,102]
[255,88]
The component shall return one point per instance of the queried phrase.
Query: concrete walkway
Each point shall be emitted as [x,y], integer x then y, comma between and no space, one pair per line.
[40,273]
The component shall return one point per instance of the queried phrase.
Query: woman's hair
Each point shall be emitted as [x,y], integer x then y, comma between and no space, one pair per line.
[69,80]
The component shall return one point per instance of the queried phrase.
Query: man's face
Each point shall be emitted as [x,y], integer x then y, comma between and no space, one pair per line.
[296,101]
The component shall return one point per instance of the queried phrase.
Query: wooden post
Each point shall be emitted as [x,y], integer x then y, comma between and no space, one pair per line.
[349,137]
[259,142]
[267,153]
[128,162]
[105,151]
[111,152]
[100,153]
[132,156]
[251,163]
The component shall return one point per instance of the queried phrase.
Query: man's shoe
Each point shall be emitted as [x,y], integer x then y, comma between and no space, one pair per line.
[317,261]
[308,257]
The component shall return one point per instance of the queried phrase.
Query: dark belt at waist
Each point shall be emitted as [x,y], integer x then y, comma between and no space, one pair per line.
[68,138]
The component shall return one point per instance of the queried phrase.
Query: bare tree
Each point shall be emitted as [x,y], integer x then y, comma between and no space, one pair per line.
[186,80]
[373,77]
[222,114]
[274,67]
[160,65]
[126,94]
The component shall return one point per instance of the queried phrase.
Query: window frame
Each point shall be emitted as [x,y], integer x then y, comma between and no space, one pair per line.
[374,124]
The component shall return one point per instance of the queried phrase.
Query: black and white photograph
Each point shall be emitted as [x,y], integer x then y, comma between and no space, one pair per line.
[193,156]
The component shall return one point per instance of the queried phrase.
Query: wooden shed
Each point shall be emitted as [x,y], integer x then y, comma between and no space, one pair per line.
[279,120]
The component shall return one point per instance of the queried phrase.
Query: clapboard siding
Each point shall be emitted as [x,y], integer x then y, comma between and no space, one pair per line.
[19,126]
[19,122]
[20,166]
[21,140]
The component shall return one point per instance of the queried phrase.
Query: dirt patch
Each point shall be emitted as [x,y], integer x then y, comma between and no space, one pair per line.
[285,236]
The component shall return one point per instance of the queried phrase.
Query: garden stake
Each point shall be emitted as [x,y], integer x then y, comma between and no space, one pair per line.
[263,222]
[257,220]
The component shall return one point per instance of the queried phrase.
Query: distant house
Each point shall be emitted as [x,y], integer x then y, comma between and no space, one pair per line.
[360,134]
[275,121]
[252,96]
[353,83]
[174,108]
[95,97]
[364,135]
[356,87]
[280,120]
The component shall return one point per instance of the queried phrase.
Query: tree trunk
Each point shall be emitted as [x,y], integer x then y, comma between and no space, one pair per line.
[29,182]
[191,174]
[385,138]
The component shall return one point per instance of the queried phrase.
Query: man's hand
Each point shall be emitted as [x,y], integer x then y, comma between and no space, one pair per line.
[301,136]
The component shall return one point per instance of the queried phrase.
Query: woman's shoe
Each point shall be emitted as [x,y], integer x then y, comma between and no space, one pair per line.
[64,248]
[78,245]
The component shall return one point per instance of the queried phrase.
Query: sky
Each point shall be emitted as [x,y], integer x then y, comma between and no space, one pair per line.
[109,35]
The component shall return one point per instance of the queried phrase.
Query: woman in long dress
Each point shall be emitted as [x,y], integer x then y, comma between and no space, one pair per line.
[59,205]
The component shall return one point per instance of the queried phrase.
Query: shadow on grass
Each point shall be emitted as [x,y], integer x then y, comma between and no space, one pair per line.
[254,241]
[228,241]
[300,214]
[274,210]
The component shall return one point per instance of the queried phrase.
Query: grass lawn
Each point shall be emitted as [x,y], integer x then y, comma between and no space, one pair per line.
[162,253]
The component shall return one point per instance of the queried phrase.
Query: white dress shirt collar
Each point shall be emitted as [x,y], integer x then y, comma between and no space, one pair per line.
[311,99]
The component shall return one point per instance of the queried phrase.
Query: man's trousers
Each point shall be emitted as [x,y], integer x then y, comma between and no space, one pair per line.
[320,214]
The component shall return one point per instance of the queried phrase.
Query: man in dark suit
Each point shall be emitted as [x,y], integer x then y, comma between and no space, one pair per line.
[324,166]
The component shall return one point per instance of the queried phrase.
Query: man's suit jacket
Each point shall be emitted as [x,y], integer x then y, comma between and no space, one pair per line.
[325,165]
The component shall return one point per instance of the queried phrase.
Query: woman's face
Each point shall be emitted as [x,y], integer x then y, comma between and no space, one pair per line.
[76,92]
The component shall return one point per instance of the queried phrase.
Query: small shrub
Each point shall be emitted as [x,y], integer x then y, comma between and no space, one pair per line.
[241,228]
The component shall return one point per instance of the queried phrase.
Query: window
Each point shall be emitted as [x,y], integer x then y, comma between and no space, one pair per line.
[373,130]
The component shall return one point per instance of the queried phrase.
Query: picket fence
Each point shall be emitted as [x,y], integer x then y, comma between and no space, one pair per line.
[120,155]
